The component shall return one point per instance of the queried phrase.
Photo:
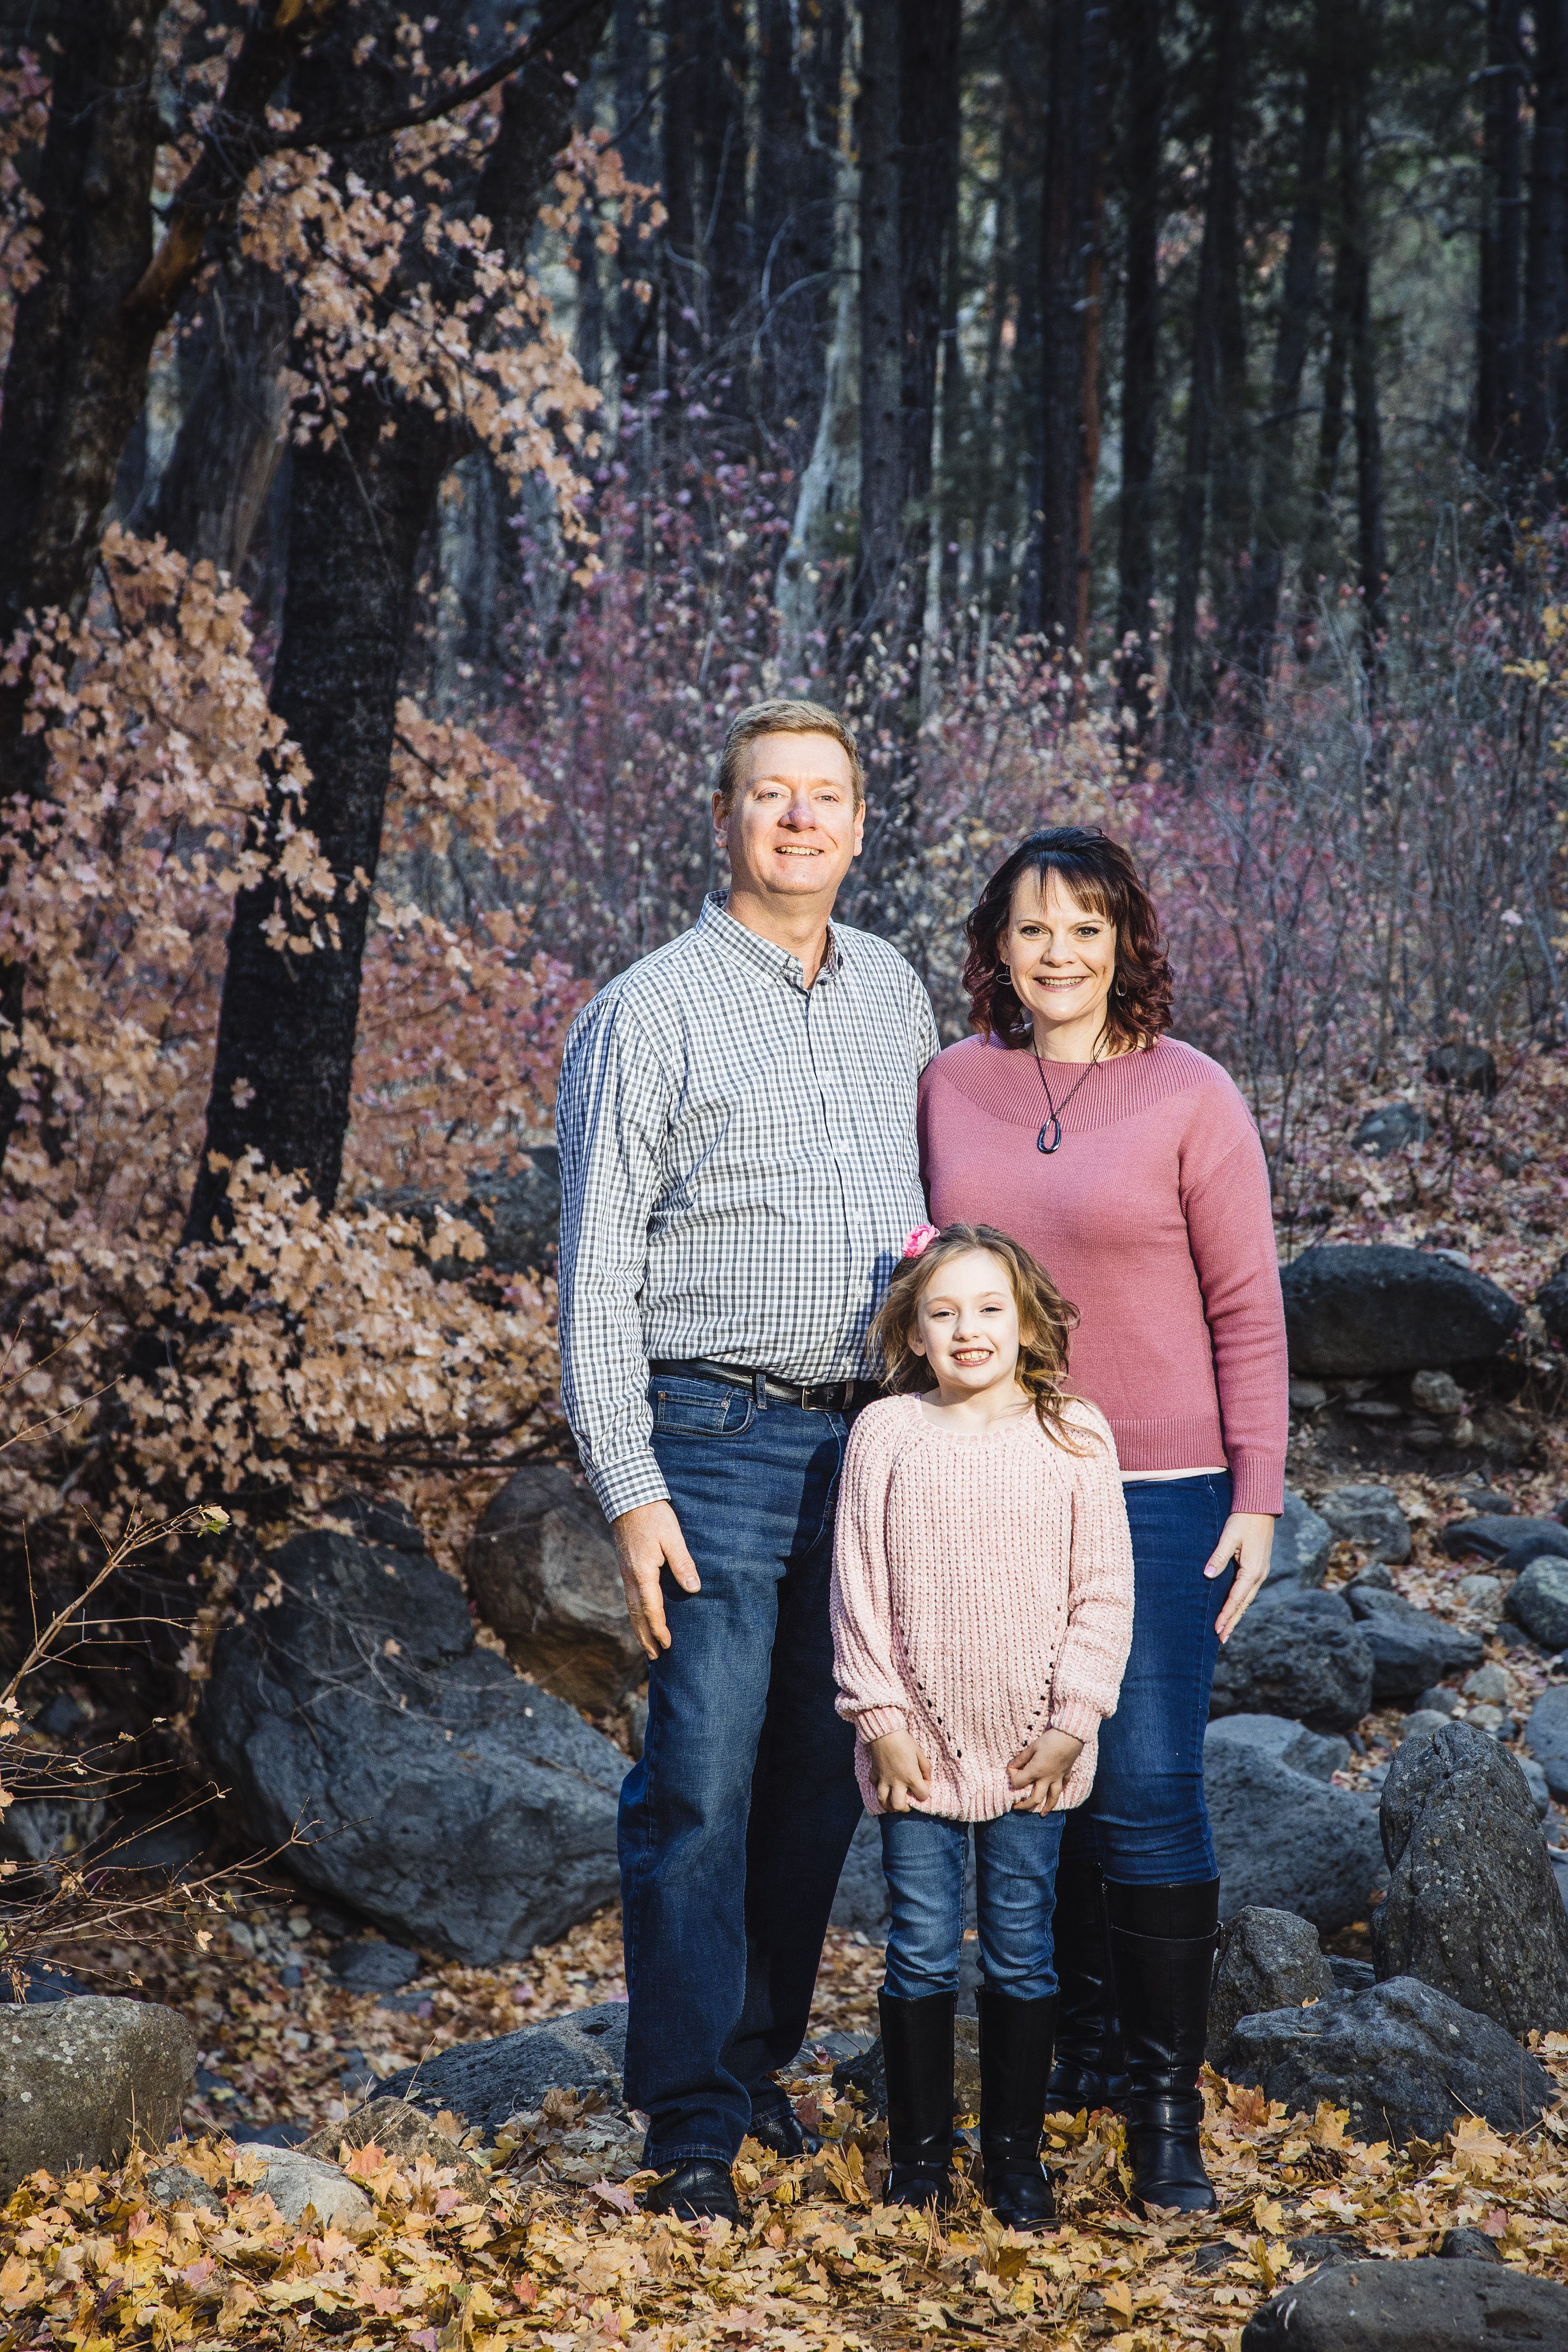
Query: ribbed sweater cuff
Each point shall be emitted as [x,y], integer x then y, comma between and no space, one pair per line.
[1256,1483]
[881,1722]
[1077,1718]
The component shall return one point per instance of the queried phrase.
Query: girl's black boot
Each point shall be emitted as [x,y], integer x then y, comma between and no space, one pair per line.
[917,2051]
[1089,2069]
[1163,1945]
[1015,2038]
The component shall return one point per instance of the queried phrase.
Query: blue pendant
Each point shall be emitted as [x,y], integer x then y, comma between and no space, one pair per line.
[1053,1129]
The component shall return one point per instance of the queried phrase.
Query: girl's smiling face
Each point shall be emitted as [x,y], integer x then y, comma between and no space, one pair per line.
[966,1324]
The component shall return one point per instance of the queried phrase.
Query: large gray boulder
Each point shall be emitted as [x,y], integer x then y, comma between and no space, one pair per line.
[1538,1600]
[1285,1841]
[1303,1542]
[1546,1735]
[543,1569]
[80,2080]
[458,1808]
[1430,2305]
[486,2081]
[1371,1517]
[1406,2061]
[1472,1907]
[1411,1648]
[1303,1657]
[1508,1541]
[1358,1310]
[1319,1754]
[1269,1959]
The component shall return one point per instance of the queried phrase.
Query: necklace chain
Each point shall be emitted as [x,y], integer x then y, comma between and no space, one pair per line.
[1052,1127]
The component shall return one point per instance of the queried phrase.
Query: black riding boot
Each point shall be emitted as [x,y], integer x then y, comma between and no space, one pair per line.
[1089,2069]
[916,2051]
[1162,1947]
[1016,2039]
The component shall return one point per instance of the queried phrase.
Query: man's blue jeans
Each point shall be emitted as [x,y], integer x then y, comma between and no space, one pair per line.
[734,1825]
[1015,1883]
[1145,1817]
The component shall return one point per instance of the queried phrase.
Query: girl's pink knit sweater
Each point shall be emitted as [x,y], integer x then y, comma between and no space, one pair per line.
[1154,1219]
[982,1594]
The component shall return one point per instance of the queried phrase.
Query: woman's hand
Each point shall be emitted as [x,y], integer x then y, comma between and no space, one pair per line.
[900,1771]
[1040,1773]
[1248,1538]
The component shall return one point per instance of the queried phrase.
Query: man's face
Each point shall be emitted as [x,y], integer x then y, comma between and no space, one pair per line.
[794,825]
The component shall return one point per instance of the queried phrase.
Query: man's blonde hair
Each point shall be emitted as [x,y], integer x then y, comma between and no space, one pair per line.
[783,717]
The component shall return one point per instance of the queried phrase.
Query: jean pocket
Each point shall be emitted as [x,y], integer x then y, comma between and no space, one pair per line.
[699,1409]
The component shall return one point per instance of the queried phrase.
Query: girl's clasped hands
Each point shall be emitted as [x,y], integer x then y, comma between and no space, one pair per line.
[1038,1772]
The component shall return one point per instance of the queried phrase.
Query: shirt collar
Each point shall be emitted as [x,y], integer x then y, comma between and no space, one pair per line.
[717,924]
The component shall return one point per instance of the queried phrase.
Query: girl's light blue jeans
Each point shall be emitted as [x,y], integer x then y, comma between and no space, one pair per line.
[1015,1872]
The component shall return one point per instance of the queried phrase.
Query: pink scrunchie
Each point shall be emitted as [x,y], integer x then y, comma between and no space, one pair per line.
[921,1239]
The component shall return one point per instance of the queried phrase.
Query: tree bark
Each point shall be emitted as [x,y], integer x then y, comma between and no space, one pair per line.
[725,227]
[1546,260]
[1069,315]
[235,423]
[1143,68]
[881,322]
[1371,561]
[928,217]
[284,1061]
[800,70]
[1293,335]
[1219,212]
[683,29]
[1330,438]
[1497,295]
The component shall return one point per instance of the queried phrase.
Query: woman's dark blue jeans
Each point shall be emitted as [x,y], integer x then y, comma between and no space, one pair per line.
[734,1825]
[1146,1821]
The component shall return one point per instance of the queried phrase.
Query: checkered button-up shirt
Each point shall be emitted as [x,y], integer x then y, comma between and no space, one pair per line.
[739,1173]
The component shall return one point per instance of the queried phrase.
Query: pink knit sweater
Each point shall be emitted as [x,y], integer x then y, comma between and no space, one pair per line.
[1154,1219]
[982,1594]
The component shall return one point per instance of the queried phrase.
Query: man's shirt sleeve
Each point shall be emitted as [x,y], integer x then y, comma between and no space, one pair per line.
[611,1120]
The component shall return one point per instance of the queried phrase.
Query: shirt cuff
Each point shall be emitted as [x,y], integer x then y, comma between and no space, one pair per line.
[881,1722]
[1077,1718]
[625,1484]
[1256,1483]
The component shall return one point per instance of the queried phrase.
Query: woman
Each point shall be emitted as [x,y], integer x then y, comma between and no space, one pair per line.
[1128,1164]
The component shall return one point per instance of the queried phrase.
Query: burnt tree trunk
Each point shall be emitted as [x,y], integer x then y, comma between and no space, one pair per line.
[1546,260]
[881,320]
[928,217]
[220,469]
[1318,552]
[1070,264]
[800,67]
[1144,71]
[1502,242]
[1292,341]
[725,230]
[681,106]
[1371,556]
[283,1067]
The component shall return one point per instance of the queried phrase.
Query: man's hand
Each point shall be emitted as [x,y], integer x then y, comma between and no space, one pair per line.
[900,1771]
[1248,1538]
[648,1541]
[1040,1773]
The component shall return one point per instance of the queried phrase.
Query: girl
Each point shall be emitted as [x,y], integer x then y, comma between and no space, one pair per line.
[981,1614]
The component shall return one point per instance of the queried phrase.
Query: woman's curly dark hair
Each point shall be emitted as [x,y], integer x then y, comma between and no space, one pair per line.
[1098,873]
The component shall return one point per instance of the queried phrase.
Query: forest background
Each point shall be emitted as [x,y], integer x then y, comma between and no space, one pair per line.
[421,432]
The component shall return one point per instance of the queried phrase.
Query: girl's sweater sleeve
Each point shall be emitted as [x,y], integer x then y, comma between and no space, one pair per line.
[1087,1679]
[872,1692]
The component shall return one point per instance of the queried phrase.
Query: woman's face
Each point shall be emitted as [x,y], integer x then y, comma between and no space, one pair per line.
[1061,957]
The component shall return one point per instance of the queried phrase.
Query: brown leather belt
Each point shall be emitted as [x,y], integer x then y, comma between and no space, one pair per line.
[822,1396]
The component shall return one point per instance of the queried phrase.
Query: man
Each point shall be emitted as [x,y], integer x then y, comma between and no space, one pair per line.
[739,1173]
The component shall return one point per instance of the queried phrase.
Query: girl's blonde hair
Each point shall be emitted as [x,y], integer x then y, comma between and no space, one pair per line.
[1046,1321]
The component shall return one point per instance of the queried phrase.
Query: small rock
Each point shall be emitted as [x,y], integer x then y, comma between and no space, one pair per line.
[1421,1721]
[1490,1682]
[1350,1976]
[291,1979]
[542,1566]
[1476,1496]
[486,2081]
[1509,1542]
[1394,1128]
[1483,1593]
[175,2184]
[1538,1600]
[1307,1396]
[1356,1309]
[1371,1517]
[1467,2246]
[408,2137]
[1471,1068]
[1472,1908]
[1440,1700]
[1423,2305]
[1411,1648]
[1483,1717]
[1535,1781]
[1438,1393]
[1284,1842]
[367,1965]
[1547,1733]
[1375,1576]
[1317,1754]
[1304,1657]
[1405,2060]
[296,2182]
[1303,1542]
[1271,1959]
[80,2080]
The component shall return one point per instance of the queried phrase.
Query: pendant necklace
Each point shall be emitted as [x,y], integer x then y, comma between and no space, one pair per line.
[1049,1137]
